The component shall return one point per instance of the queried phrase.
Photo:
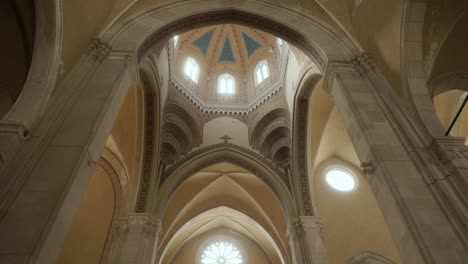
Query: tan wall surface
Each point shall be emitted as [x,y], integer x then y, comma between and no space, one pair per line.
[88,233]
[352,220]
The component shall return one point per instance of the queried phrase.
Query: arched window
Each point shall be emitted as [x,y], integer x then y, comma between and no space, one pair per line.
[261,72]
[192,69]
[221,253]
[226,84]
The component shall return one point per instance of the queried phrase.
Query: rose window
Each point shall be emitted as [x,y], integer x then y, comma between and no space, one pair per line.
[221,253]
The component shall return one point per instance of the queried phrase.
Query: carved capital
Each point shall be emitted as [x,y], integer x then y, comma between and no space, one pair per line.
[143,223]
[364,63]
[99,50]
[146,223]
[120,227]
[305,224]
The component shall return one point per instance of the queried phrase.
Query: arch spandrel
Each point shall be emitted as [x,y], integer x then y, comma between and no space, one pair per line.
[206,157]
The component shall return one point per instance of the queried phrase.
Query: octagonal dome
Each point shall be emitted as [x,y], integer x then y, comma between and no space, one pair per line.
[228,67]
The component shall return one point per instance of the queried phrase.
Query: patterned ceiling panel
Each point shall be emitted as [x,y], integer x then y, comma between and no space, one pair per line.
[203,42]
[227,54]
[250,44]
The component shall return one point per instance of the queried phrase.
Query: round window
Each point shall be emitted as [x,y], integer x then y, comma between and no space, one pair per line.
[221,253]
[340,180]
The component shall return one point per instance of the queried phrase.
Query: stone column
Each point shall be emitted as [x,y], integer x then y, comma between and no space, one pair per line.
[41,187]
[306,241]
[134,240]
[383,135]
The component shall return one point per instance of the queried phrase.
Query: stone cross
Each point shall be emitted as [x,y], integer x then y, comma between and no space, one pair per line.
[225,138]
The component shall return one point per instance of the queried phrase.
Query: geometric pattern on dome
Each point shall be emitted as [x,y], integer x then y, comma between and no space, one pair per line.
[203,42]
[227,54]
[250,44]
[221,253]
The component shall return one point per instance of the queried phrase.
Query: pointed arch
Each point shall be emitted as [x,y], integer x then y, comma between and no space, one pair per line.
[228,214]
[203,158]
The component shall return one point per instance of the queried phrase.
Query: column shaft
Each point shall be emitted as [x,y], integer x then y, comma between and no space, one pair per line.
[306,241]
[134,240]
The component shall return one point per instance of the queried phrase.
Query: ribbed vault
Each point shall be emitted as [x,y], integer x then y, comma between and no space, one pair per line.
[224,196]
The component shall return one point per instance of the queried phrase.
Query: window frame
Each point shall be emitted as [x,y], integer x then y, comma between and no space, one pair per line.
[261,72]
[194,72]
[226,85]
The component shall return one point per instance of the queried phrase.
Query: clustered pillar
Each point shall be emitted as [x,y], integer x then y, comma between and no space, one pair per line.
[306,241]
[135,239]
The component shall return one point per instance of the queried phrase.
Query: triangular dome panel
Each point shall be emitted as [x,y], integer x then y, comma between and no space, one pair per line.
[203,42]
[250,44]
[227,54]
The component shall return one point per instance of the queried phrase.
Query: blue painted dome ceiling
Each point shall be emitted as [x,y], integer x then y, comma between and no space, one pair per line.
[232,49]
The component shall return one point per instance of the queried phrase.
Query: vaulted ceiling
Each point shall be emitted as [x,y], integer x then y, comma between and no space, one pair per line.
[224,196]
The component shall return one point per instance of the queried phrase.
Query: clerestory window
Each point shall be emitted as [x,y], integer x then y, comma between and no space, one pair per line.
[226,84]
[192,69]
[261,72]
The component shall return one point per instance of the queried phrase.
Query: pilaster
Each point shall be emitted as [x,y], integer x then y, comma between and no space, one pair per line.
[385,138]
[43,182]
[134,240]
[306,241]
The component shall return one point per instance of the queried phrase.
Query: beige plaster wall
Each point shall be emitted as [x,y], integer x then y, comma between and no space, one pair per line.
[87,236]
[290,83]
[82,21]
[232,127]
[190,252]
[335,141]
[320,107]
[352,221]
[123,139]
[446,105]
[375,25]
